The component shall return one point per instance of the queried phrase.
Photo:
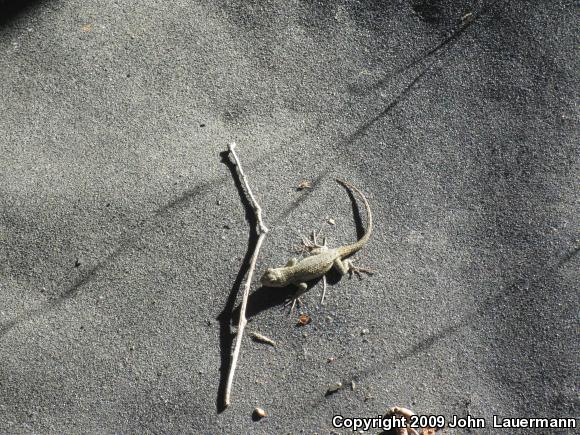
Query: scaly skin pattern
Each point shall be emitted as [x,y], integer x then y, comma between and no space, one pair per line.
[321,259]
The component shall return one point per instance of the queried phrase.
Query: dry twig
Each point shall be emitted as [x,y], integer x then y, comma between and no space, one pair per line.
[262,231]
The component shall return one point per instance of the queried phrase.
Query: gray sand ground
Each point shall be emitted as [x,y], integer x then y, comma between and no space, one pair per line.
[122,230]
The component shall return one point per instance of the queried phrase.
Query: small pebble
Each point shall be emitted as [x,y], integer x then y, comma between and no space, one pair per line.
[259,413]
[365,331]
[334,388]
[331,221]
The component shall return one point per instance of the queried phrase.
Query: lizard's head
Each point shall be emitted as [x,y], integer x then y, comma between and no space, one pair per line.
[272,278]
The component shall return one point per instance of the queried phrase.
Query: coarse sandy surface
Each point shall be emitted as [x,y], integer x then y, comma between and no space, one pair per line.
[124,231]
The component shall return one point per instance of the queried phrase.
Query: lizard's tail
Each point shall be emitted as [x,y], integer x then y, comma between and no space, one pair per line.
[347,250]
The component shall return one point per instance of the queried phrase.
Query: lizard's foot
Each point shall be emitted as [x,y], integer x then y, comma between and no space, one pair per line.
[302,288]
[293,301]
[306,247]
[315,242]
[358,271]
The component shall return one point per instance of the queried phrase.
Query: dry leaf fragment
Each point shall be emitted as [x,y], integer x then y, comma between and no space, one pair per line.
[304,184]
[304,320]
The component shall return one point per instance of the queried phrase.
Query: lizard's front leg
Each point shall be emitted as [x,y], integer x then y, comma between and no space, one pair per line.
[292,262]
[302,288]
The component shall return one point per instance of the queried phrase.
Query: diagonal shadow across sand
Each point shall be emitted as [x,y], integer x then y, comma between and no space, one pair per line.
[181,201]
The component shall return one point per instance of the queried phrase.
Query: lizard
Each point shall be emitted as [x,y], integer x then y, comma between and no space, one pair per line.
[321,259]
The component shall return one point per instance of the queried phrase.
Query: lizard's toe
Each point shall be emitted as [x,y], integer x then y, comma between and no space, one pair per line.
[292,302]
[355,270]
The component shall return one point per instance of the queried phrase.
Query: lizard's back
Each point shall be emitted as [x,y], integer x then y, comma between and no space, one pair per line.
[312,267]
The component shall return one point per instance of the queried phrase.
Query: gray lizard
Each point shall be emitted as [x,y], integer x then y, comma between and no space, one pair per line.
[321,258]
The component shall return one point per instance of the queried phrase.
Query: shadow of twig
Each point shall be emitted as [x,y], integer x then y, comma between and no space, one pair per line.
[88,276]
[443,45]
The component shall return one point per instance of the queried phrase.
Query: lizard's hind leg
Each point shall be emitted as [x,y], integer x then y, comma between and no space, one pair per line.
[311,246]
[347,266]
[316,242]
